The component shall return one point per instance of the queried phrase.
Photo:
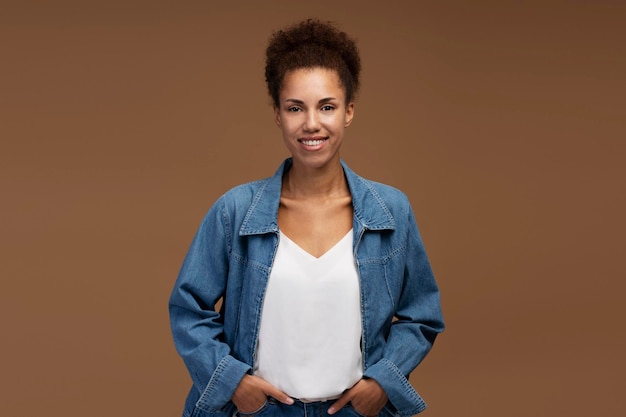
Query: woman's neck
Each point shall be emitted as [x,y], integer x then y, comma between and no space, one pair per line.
[322,183]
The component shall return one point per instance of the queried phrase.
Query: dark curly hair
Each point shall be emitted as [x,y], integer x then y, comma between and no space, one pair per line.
[310,44]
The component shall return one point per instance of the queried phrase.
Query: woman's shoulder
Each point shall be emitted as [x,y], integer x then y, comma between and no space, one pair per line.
[243,193]
[387,193]
[386,189]
[250,191]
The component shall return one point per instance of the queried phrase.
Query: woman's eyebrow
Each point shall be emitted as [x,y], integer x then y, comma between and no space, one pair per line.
[322,101]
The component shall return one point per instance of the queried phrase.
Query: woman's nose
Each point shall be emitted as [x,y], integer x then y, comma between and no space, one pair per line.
[312,122]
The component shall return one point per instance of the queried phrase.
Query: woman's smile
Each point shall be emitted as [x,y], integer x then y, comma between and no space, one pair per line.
[313,143]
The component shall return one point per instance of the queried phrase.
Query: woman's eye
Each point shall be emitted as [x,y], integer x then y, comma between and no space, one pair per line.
[327,108]
[294,109]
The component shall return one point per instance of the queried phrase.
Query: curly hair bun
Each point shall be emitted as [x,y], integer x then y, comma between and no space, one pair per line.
[310,44]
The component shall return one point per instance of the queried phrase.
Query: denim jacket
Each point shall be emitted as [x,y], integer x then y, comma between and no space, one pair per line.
[230,260]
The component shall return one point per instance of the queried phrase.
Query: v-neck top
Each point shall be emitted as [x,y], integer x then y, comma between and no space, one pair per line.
[310,336]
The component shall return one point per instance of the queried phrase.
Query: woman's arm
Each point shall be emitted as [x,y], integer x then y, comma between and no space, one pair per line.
[418,321]
[196,325]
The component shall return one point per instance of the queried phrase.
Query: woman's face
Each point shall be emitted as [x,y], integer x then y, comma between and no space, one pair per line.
[313,115]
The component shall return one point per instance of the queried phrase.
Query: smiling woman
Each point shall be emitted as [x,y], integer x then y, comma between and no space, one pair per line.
[329,301]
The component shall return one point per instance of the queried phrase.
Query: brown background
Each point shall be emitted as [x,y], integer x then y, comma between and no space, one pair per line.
[121,123]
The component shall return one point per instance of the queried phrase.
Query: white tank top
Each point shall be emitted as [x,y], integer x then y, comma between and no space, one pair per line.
[310,335]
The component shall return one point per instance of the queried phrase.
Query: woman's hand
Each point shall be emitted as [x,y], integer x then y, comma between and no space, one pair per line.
[366,396]
[252,393]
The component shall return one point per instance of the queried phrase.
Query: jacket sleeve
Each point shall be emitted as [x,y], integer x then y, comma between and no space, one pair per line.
[418,320]
[197,327]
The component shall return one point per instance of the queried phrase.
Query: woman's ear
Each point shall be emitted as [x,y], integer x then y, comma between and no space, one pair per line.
[276,116]
[349,113]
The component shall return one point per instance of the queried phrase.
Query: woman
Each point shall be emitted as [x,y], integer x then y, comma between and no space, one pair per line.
[328,299]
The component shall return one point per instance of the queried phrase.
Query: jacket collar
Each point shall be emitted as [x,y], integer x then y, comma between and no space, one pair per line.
[370,211]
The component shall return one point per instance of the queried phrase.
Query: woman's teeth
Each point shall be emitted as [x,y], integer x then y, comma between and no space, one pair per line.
[312,142]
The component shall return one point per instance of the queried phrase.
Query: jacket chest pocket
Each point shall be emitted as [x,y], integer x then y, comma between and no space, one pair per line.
[380,284]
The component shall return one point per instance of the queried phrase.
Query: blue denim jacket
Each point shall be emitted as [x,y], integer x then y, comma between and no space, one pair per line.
[231,257]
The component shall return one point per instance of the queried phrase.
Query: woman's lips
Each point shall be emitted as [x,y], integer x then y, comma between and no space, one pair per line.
[313,141]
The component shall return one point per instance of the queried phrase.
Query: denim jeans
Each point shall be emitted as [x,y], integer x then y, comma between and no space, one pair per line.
[273,408]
